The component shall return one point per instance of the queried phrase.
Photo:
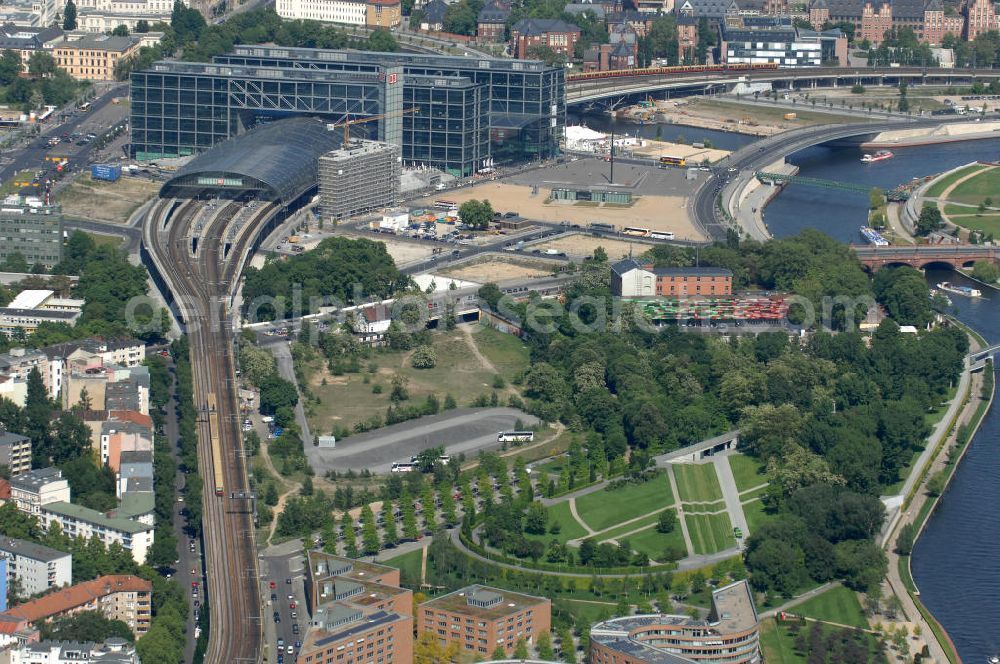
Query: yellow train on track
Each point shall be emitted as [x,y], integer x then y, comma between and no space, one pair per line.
[214,433]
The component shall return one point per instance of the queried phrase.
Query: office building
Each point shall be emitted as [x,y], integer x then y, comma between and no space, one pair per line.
[769,40]
[873,18]
[370,13]
[95,57]
[359,177]
[118,597]
[729,635]
[35,568]
[39,487]
[78,521]
[352,633]
[113,651]
[33,307]
[630,279]
[106,15]
[26,40]
[358,612]
[480,619]
[468,110]
[15,453]
[30,228]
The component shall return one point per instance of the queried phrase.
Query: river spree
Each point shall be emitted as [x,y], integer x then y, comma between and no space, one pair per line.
[955,563]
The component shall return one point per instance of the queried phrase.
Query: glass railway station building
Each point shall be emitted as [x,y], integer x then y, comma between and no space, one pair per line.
[453,113]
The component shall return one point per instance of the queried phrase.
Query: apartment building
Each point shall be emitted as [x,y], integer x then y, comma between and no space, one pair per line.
[35,568]
[90,353]
[33,307]
[480,619]
[95,57]
[78,521]
[27,226]
[15,453]
[17,363]
[118,437]
[36,488]
[119,597]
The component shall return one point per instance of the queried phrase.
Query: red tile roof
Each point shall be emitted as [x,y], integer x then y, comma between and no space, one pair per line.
[4,490]
[81,594]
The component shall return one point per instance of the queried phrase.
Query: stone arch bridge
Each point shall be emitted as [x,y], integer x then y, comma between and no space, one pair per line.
[921,256]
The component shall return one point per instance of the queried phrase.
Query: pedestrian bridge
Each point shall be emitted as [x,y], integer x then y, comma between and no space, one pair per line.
[977,360]
[706,448]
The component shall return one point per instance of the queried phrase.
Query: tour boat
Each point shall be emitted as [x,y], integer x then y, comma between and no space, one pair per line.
[881,155]
[872,236]
[959,290]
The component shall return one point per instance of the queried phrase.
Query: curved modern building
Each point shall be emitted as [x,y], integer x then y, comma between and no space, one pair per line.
[730,634]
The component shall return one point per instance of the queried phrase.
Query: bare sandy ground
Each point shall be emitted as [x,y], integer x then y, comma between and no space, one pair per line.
[105,201]
[662,213]
[584,245]
[496,269]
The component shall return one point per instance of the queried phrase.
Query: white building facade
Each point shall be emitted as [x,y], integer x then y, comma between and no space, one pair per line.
[330,11]
[37,488]
[35,568]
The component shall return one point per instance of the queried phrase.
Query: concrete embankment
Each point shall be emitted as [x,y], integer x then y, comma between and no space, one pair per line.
[948,133]
[748,205]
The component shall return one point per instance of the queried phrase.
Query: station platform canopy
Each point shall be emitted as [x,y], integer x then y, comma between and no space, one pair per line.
[275,161]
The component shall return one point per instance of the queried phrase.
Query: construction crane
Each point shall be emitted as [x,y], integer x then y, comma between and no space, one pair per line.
[347,124]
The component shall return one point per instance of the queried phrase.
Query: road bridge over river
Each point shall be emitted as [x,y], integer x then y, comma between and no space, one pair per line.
[716,202]
[614,90]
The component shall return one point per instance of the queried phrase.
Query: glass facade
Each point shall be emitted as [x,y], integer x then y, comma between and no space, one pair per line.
[179,109]
[526,99]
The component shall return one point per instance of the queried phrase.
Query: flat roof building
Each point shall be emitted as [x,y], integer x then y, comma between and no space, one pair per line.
[39,487]
[78,521]
[360,177]
[35,568]
[32,307]
[469,110]
[352,633]
[112,651]
[729,635]
[15,453]
[497,618]
[29,228]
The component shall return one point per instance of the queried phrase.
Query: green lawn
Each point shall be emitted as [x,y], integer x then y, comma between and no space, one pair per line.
[710,532]
[653,543]
[838,605]
[603,509]
[938,187]
[570,528]
[975,189]
[755,514]
[778,645]
[408,564]
[747,471]
[613,533]
[987,223]
[109,240]
[507,353]
[697,483]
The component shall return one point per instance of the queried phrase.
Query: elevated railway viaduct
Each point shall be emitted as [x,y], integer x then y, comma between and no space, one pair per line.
[196,241]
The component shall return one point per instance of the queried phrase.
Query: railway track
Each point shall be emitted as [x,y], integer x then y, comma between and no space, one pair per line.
[201,284]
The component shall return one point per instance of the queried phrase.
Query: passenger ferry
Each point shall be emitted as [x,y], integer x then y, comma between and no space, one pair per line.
[959,290]
[881,155]
[872,236]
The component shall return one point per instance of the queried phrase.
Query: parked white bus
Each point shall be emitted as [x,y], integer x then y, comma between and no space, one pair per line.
[515,436]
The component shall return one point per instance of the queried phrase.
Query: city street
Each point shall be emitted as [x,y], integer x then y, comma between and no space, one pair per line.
[283,566]
[33,155]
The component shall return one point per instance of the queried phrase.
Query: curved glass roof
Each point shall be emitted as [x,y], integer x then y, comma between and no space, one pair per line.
[281,155]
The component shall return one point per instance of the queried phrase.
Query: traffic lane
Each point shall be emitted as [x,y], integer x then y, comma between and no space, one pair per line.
[35,152]
[282,569]
[464,430]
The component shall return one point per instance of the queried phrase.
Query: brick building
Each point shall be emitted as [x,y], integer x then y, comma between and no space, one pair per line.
[358,612]
[980,17]
[630,279]
[555,34]
[492,21]
[480,618]
[873,18]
